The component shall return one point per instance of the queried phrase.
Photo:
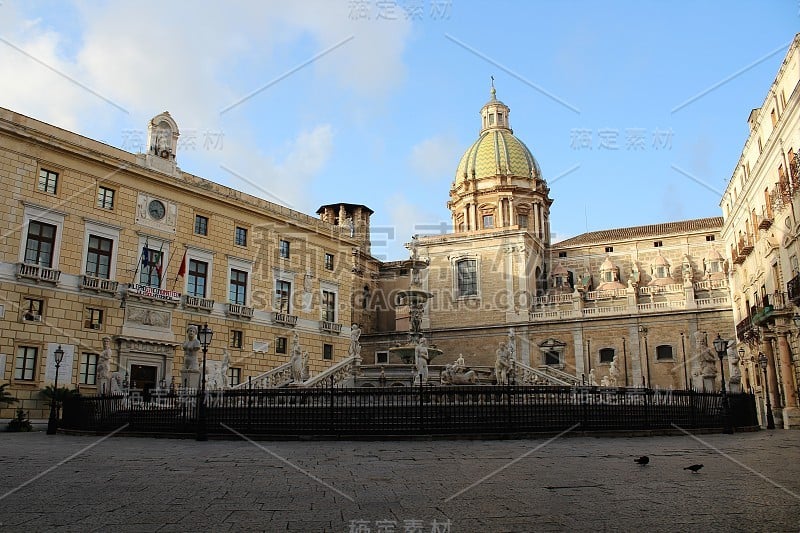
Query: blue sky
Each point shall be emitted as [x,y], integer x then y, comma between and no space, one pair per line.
[636,111]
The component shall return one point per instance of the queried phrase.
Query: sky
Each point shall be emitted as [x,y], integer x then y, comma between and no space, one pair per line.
[636,111]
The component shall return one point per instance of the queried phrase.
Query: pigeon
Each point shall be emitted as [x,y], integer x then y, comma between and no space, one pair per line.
[694,468]
[643,460]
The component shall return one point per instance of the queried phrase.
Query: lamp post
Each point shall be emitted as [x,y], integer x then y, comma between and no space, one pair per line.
[685,364]
[52,422]
[721,346]
[762,361]
[643,331]
[747,371]
[204,336]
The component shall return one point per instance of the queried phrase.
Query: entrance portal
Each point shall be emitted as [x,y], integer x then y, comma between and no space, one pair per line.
[144,377]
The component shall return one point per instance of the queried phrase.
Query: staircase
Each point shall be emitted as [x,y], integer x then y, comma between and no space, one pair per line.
[277,377]
[544,375]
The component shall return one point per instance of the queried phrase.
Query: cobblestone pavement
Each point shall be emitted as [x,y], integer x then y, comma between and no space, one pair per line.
[750,482]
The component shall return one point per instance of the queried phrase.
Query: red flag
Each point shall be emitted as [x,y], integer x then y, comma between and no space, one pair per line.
[182,269]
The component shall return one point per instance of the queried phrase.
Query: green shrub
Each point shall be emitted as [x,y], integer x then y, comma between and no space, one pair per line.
[20,422]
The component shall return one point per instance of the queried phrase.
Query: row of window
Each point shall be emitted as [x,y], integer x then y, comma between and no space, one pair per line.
[656,244]
[27,357]
[40,250]
[48,183]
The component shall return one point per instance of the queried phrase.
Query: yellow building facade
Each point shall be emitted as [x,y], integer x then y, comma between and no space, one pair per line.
[102,243]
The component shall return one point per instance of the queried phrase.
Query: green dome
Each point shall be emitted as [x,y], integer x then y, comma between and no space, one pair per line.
[497,152]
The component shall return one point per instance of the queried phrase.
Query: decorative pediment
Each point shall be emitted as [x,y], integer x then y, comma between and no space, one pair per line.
[552,344]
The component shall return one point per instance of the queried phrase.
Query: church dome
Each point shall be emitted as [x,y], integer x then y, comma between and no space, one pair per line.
[497,152]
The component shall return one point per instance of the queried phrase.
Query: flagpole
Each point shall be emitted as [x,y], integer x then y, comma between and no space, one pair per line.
[160,273]
[139,262]
[181,270]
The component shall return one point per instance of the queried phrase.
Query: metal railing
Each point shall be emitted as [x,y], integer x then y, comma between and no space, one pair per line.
[426,410]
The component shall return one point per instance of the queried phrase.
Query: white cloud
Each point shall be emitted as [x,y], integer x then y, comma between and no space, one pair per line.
[285,179]
[406,218]
[435,158]
[194,59]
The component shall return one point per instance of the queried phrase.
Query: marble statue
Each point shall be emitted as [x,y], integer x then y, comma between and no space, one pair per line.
[421,360]
[592,378]
[190,349]
[605,382]
[613,372]
[296,359]
[355,346]
[104,368]
[502,364]
[223,369]
[707,358]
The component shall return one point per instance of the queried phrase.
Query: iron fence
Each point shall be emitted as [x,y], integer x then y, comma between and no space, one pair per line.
[430,410]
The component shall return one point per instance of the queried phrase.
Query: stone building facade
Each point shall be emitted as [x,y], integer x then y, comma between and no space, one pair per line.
[761,231]
[103,243]
[654,296]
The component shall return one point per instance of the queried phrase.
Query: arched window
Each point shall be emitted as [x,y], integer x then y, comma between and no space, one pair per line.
[664,352]
[606,355]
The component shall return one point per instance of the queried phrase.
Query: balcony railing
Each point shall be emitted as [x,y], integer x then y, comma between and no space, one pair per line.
[284,318]
[240,310]
[38,273]
[99,284]
[195,302]
[330,327]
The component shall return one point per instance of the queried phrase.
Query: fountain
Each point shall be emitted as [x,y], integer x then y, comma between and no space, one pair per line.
[415,298]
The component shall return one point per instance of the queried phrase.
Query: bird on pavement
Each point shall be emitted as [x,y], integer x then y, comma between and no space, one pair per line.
[643,460]
[694,468]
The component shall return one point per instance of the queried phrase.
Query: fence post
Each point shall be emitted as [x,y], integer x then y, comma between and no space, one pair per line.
[249,402]
[421,414]
[692,409]
[647,408]
[509,424]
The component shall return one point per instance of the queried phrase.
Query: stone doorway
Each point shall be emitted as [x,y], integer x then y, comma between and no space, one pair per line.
[144,377]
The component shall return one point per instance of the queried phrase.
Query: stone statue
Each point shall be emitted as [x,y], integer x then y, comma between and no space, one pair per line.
[104,368]
[223,369]
[414,247]
[511,347]
[708,360]
[190,349]
[117,382]
[450,376]
[736,373]
[296,359]
[687,271]
[605,382]
[502,364]
[304,374]
[592,378]
[351,226]
[613,372]
[459,365]
[421,360]
[355,346]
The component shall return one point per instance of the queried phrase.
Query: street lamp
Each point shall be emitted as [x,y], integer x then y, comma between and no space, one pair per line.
[721,346]
[762,361]
[643,331]
[52,423]
[204,336]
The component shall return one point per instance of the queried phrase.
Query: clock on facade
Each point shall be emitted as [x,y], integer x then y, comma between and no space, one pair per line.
[156,209]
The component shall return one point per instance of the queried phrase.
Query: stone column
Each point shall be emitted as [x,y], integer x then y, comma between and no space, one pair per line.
[466,218]
[772,378]
[791,412]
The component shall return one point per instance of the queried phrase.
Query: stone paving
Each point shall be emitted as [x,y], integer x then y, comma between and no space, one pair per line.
[750,482]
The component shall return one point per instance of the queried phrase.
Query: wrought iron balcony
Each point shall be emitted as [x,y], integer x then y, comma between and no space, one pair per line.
[38,273]
[99,284]
[745,329]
